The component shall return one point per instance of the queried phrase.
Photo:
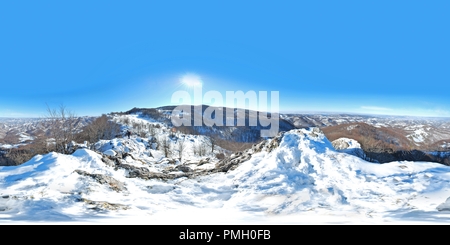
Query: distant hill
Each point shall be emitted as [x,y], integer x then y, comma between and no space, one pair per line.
[383,144]
[247,133]
[421,133]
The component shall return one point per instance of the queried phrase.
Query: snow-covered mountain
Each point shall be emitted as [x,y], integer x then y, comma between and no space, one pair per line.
[19,131]
[295,178]
[427,134]
[422,133]
[245,133]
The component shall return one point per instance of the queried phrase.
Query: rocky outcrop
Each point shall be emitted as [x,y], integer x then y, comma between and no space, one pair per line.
[345,143]
[232,162]
[108,161]
[237,158]
[102,205]
[167,161]
[142,172]
[184,169]
[103,179]
[444,206]
[204,161]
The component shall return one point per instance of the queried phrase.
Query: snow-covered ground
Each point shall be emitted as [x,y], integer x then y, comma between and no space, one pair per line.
[9,146]
[419,134]
[25,137]
[296,179]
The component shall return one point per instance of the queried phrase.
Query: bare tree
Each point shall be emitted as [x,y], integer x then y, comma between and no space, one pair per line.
[181,145]
[126,121]
[151,130]
[200,149]
[211,141]
[62,127]
[140,129]
[166,147]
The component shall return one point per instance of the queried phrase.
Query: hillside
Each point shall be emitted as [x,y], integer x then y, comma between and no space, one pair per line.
[421,133]
[384,144]
[295,178]
[230,131]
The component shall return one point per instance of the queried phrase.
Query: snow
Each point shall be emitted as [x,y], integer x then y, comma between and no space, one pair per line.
[419,133]
[110,152]
[9,146]
[302,181]
[444,206]
[25,137]
[346,143]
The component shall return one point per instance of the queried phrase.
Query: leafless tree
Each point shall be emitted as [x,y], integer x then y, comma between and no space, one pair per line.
[61,128]
[151,130]
[211,141]
[126,121]
[166,146]
[181,145]
[200,149]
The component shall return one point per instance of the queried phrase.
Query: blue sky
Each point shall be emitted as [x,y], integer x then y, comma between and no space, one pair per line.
[379,57]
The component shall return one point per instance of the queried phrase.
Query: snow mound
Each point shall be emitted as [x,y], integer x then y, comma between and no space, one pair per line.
[349,146]
[345,143]
[110,152]
[305,173]
[444,206]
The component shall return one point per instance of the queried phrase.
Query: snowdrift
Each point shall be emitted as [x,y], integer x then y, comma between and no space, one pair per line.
[297,177]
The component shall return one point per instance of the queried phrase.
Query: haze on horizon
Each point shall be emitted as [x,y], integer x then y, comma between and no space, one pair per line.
[380,58]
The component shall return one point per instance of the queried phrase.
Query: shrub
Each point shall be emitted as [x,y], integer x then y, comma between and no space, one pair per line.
[220,156]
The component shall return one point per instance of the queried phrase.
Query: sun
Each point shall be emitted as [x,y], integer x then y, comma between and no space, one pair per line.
[191,80]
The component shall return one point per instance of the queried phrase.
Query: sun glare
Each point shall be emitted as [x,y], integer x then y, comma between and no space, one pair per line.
[191,80]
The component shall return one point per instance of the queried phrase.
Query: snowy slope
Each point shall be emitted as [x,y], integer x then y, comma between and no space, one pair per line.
[297,178]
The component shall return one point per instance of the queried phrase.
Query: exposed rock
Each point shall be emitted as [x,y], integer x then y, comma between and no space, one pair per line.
[143,173]
[108,162]
[345,143]
[4,208]
[72,147]
[444,206]
[204,161]
[237,158]
[232,162]
[102,205]
[315,132]
[117,160]
[259,147]
[184,169]
[172,161]
[274,143]
[340,144]
[103,179]
[126,154]
[167,161]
